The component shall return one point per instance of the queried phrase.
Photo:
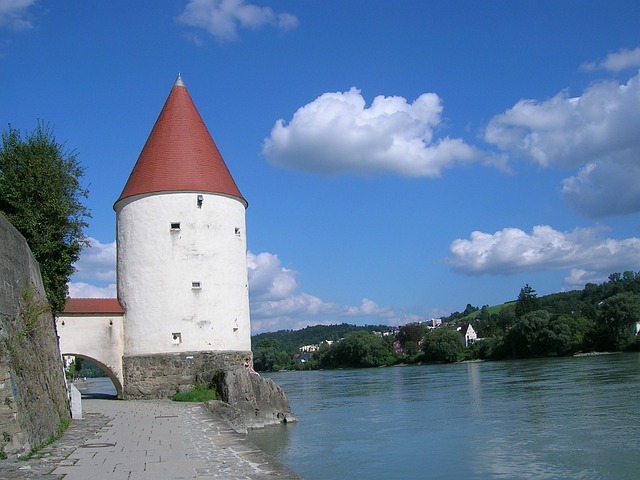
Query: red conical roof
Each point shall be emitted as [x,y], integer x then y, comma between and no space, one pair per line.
[180,154]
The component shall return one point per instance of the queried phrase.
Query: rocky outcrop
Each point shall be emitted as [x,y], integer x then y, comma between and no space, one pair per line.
[33,398]
[247,399]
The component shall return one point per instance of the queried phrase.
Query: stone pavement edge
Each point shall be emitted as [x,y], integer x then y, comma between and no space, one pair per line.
[147,439]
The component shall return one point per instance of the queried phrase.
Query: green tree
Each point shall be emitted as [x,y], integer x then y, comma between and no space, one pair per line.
[442,345]
[469,310]
[489,348]
[359,349]
[506,317]
[74,367]
[581,328]
[538,334]
[619,315]
[530,335]
[41,195]
[269,356]
[527,302]
[410,336]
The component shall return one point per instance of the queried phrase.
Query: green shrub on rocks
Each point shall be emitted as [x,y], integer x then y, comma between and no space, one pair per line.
[199,393]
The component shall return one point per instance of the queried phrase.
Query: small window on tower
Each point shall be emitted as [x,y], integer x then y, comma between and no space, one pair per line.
[175,226]
[237,231]
[196,286]
[176,338]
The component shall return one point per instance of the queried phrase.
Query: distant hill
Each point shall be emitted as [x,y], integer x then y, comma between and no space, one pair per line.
[291,340]
[491,310]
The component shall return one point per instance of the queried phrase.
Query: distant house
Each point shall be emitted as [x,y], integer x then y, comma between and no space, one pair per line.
[301,357]
[310,348]
[315,347]
[469,335]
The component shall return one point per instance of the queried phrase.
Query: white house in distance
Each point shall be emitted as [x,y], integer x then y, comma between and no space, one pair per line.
[468,333]
[434,322]
[182,277]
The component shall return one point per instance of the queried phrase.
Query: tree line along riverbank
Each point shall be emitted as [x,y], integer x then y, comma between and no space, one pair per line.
[600,317]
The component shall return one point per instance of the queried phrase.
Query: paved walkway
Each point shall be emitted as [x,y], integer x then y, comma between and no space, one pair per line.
[159,440]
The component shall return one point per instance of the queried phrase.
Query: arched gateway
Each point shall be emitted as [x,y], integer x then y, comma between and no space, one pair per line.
[183,294]
[92,329]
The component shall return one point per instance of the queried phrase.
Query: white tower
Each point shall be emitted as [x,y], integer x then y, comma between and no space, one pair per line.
[182,256]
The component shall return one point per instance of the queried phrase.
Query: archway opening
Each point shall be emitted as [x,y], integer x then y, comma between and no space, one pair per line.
[91,377]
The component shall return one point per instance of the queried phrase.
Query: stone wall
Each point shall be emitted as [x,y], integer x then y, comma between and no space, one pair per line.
[33,398]
[162,375]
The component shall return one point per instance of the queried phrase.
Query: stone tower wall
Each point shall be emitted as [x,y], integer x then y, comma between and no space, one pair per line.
[182,273]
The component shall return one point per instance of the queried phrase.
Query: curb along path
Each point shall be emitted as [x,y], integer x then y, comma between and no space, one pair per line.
[159,440]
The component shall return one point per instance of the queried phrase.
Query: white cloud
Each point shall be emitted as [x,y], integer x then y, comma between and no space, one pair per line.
[606,188]
[268,279]
[571,131]
[338,133]
[369,307]
[222,18]
[97,262]
[95,275]
[578,278]
[597,131]
[14,14]
[274,292]
[86,290]
[615,62]
[277,303]
[298,304]
[512,250]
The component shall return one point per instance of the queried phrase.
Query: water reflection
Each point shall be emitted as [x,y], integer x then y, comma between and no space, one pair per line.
[98,388]
[473,372]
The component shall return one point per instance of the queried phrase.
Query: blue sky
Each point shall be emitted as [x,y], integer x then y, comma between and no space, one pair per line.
[401,159]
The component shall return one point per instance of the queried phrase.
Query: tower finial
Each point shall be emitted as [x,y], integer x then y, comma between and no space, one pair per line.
[179,82]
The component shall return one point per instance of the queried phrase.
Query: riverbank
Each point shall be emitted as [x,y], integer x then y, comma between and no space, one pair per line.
[147,440]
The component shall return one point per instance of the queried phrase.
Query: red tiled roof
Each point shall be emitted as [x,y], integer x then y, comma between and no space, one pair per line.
[92,306]
[180,154]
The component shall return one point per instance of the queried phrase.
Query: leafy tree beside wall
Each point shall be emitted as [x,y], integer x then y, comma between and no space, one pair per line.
[41,195]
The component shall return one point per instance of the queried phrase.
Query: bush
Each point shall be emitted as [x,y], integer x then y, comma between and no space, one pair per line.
[199,393]
[488,348]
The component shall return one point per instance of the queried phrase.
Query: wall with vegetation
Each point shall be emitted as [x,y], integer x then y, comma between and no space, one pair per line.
[33,400]
[148,377]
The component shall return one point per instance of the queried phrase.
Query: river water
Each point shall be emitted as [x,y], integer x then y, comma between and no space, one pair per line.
[99,387]
[557,418]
